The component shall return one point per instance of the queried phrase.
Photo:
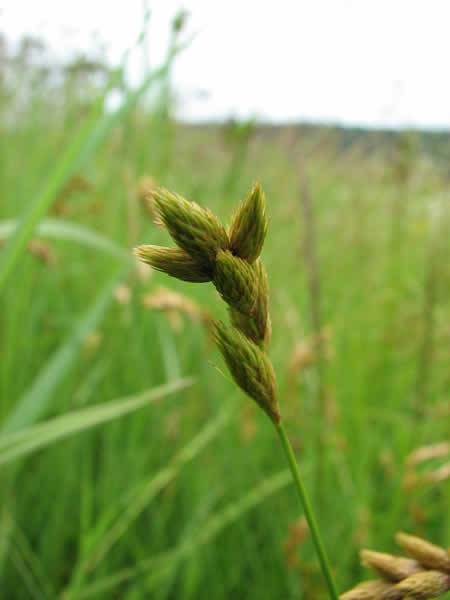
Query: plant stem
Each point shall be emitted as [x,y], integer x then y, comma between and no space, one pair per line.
[309,514]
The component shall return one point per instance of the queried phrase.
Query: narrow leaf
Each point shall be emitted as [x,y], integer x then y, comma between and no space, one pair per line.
[19,444]
[37,398]
[61,229]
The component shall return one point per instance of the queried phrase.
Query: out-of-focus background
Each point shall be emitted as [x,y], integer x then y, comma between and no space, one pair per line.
[131,467]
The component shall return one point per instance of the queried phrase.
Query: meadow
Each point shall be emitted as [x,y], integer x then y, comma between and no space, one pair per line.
[131,466]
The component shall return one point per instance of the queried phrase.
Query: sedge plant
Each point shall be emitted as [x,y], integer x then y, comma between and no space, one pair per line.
[423,574]
[206,251]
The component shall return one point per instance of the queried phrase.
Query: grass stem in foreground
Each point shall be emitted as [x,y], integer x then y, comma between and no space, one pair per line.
[309,514]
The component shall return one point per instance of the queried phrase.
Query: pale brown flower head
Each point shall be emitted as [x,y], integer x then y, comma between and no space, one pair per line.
[427,554]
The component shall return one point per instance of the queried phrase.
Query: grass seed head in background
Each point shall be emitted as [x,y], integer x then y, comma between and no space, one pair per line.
[392,568]
[371,590]
[426,575]
[429,555]
[424,585]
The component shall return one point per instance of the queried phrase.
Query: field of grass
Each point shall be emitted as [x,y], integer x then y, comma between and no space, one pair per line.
[131,467]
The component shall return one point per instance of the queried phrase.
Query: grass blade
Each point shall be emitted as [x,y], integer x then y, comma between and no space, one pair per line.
[161,565]
[61,229]
[76,156]
[115,526]
[29,557]
[19,444]
[35,401]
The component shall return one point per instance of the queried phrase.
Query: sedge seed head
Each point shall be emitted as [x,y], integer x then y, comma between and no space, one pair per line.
[256,326]
[391,568]
[174,262]
[424,585]
[194,229]
[372,590]
[250,367]
[427,554]
[236,281]
[249,225]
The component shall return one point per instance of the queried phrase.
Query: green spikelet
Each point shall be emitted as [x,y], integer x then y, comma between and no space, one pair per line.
[204,254]
[250,367]
[248,228]
[256,326]
[236,281]
[194,229]
[427,554]
[174,262]
[424,585]
[372,590]
[392,568]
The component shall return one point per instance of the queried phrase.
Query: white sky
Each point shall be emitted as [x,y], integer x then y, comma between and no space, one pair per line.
[370,62]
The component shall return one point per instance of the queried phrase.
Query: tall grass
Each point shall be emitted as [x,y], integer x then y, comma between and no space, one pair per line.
[70,342]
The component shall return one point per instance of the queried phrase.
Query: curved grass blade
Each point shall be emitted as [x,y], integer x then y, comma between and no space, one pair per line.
[60,229]
[19,444]
[36,399]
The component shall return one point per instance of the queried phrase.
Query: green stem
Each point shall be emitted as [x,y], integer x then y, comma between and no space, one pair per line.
[309,514]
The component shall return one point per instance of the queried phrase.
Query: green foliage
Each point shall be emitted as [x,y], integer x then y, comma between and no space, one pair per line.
[35,400]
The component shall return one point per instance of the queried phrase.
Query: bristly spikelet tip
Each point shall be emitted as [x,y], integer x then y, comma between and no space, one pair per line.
[174,262]
[249,225]
[194,229]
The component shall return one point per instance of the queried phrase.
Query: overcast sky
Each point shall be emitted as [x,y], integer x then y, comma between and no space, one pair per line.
[369,62]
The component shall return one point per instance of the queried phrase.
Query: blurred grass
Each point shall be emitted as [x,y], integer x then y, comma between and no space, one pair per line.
[382,239]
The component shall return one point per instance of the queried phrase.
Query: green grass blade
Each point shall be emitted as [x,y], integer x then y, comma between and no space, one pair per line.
[7,526]
[26,574]
[19,444]
[116,525]
[60,229]
[24,547]
[78,153]
[35,401]
[161,565]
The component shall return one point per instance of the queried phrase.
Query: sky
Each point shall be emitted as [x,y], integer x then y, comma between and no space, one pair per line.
[377,63]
